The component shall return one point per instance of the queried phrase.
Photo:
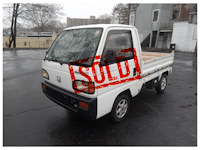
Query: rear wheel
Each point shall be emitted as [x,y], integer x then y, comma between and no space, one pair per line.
[162,84]
[120,108]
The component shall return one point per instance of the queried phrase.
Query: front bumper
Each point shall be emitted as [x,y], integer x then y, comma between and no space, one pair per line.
[70,101]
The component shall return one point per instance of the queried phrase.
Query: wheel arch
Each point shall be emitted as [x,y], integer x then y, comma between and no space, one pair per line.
[105,106]
[127,91]
[164,73]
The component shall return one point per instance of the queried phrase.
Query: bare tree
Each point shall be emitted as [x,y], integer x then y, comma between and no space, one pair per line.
[32,14]
[13,26]
[55,26]
[12,14]
[119,13]
[40,15]
[105,16]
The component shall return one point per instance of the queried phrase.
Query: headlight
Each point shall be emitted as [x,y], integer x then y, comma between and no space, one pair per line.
[83,86]
[45,74]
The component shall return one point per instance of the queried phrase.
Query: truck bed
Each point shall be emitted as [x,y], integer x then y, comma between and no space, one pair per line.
[155,61]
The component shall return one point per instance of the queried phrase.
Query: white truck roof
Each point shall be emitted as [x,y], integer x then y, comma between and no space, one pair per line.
[100,26]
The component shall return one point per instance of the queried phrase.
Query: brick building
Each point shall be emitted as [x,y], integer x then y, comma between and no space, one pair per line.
[80,21]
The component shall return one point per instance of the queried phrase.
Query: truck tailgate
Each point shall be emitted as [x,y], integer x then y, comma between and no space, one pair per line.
[154,61]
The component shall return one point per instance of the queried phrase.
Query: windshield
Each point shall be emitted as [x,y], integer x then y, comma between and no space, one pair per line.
[76,46]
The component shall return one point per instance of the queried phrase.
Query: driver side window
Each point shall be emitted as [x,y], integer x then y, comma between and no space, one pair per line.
[118,47]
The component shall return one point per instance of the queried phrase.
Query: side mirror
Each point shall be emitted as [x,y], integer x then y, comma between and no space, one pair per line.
[110,56]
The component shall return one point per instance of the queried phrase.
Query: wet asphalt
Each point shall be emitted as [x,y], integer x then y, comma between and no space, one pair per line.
[31,119]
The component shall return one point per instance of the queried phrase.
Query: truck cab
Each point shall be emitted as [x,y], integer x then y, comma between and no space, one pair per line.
[94,70]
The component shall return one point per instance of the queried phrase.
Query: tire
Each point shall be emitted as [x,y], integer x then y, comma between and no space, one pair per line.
[120,108]
[162,84]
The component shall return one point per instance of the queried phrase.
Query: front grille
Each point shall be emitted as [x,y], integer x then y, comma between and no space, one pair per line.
[60,97]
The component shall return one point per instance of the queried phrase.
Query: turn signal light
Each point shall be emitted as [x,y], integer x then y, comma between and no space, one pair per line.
[84,105]
[43,86]
[83,86]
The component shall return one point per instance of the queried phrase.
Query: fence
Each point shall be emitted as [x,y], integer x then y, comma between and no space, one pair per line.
[36,44]
[29,42]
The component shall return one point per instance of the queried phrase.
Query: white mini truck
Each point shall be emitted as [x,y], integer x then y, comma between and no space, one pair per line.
[94,70]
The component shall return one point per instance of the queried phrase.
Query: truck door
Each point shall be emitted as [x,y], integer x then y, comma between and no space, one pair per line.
[117,60]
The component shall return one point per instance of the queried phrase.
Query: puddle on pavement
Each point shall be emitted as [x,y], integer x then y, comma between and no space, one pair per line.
[188,63]
[191,64]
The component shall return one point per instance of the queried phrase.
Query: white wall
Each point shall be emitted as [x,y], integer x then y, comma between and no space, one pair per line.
[184,36]
[143,20]
[141,38]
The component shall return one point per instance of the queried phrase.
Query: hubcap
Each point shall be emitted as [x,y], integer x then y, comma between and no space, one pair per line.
[163,83]
[121,108]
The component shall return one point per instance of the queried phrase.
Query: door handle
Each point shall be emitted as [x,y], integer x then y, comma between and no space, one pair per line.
[134,71]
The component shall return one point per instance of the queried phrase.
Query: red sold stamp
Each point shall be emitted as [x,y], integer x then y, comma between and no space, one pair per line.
[111,78]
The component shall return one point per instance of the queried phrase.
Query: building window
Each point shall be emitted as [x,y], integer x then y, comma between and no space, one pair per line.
[176,11]
[193,8]
[24,43]
[155,15]
[132,19]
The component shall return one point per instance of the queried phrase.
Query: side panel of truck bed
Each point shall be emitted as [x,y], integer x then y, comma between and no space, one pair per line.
[154,61]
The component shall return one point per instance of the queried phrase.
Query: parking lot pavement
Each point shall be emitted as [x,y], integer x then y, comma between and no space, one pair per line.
[30,118]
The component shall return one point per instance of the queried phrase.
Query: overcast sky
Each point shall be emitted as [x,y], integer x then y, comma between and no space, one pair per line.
[85,10]
[82,10]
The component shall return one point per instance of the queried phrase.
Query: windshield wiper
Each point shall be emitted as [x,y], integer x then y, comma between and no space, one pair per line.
[69,63]
[78,64]
[61,62]
[46,59]
[51,59]
[54,60]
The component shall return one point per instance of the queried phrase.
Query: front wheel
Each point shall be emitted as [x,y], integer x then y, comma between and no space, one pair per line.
[162,84]
[120,108]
